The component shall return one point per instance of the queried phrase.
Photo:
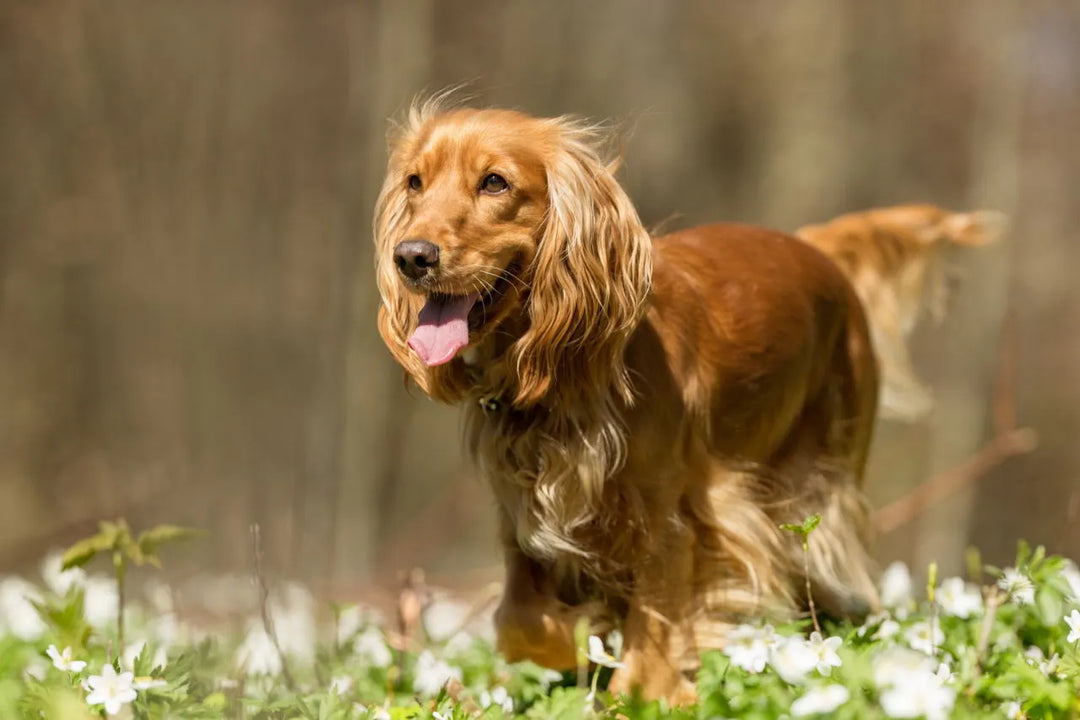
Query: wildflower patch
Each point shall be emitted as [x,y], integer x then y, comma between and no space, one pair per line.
[1000,644]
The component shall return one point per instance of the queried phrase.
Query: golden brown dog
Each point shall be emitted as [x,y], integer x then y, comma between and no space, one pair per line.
[894,257]
[646,410]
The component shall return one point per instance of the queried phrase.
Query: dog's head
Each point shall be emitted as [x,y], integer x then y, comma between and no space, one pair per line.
[496,227]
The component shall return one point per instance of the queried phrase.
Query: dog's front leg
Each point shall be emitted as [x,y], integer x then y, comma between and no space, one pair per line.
[658,636]
[531,623]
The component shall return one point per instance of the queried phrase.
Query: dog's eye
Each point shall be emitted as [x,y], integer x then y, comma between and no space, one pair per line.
[493,184]
[415,183]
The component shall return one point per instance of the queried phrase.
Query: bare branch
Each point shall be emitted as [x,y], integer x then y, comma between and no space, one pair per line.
[264,606]
[1018,441]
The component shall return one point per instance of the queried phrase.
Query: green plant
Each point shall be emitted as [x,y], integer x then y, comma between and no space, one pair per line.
[1009,652]
[116,540]
[803,530]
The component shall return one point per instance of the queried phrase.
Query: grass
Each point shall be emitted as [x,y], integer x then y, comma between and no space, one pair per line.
[990,647]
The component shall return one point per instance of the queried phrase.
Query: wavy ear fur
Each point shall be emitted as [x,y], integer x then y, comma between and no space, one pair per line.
[589,281]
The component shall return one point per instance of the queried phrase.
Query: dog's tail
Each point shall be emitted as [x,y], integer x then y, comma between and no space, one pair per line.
[894,258]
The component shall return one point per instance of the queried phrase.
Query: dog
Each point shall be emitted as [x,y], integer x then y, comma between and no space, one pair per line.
[646,410]
[895,258]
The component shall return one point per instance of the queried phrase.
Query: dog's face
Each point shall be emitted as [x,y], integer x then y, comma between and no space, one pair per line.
[492,219]
[475,191]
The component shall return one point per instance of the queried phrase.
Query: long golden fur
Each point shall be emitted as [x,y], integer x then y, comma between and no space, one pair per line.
[647,411]
[895,258]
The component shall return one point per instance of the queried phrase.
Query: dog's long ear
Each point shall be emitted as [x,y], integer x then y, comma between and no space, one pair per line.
[590,279]
[399,309]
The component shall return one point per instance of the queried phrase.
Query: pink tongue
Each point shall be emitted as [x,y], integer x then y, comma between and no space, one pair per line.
[443,329]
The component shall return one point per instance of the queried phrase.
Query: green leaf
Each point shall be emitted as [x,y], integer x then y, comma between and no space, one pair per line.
[1049,606]
[804,528]
[216,700]
[150,541]
[84,551]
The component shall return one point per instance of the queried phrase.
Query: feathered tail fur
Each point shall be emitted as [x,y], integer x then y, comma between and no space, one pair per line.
[894,258]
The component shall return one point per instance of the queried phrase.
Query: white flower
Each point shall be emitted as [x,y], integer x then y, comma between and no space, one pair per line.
[349,622]
[167,629]
[160,596]
[431,674]
[549,676]
[599,655]
[352,619]
[444,616]
[293,615]
[893,665]
[61,660]
[1073,621]
[499,697]
[56,578]
[945,674]
[748,646]
[100,601]
[925,637]
[458,645]
[111,690]
[825,650]
[371,648]
[1049,668]
[1012,710]
[820,700]
[440,716]
[1035,658]
[1071,575]
[925,696]
[888,629]
[1017,586]
[341,684]
[792,658]
[161,658]
[896,586]
[909,685]
[294,621]
[35,669]
[17,612]
[614,641]
[958,598]
[257,654]
[1005,641]
[131,654]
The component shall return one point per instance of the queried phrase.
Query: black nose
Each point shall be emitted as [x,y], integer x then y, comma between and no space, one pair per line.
[416,259]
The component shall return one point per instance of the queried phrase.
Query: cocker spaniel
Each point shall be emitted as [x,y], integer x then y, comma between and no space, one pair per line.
[646,410]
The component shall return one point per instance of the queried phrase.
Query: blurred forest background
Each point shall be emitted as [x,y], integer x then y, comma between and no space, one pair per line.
[186,298]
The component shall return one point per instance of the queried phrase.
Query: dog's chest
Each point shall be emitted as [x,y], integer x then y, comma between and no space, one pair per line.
[538,477]
[561,492]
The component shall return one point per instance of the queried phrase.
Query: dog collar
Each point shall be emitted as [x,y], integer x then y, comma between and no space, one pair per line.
[489,404]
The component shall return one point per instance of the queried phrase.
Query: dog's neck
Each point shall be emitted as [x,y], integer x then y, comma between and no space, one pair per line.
[492,382]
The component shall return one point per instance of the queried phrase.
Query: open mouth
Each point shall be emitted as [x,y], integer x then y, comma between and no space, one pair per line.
[489,299]
[446,320]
